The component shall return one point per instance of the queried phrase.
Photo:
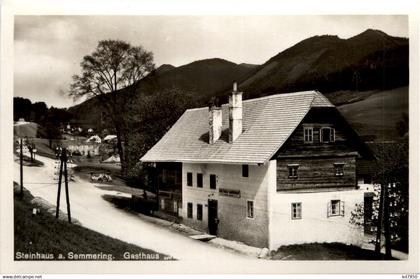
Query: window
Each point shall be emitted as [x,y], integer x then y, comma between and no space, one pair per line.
[296,210]
[339,169]
[199,212]
[162,204]
[250,209]
[335,208]
[212,181]
[327,135]
[189,179]
[189,210]
[199,180]
[308,134]
[245,170]
[293,170]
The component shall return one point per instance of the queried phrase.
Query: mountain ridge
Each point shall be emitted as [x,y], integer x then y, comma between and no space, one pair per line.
[328,63]
[203,77]
[367,61]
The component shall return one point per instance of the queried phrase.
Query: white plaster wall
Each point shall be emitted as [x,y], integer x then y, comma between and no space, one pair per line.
[232,211]
[314,226]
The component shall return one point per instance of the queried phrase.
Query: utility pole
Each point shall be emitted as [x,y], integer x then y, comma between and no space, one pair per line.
[21,167]
[63,171]
[66,183]
[59,188]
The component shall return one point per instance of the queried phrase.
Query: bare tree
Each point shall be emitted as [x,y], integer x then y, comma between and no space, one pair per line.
[113,65]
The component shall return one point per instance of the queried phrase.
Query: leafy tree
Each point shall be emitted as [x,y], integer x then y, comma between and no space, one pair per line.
[152,116]
[40,110]
[21,108]
[112,66]
[59,116]
[390,202]
[357,215]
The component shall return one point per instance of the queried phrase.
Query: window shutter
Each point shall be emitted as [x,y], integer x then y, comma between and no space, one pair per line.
[342,208]
[332,135]
[329,209]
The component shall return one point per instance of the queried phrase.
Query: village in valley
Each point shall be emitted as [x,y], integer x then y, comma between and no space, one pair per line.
[301,157]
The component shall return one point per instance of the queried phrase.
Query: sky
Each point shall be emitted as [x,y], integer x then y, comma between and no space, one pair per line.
[48,49]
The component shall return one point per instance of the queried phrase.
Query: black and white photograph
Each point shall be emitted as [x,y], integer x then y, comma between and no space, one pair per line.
[211,138]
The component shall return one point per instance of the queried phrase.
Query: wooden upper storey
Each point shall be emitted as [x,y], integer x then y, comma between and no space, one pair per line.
[320,154]
[323,133]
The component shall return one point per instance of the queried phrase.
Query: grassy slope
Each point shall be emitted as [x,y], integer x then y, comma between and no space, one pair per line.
[43,148]
[44,234]
[344,97]
[378,113]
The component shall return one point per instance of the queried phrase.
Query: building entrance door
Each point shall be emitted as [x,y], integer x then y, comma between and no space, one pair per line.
[213,220]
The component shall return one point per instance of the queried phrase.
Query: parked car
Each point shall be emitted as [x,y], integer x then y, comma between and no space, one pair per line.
[100,177]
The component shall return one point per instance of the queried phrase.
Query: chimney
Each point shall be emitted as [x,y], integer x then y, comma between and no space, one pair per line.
[215,121]
[235,114]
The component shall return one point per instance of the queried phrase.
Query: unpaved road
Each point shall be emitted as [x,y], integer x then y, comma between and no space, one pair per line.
[95,213]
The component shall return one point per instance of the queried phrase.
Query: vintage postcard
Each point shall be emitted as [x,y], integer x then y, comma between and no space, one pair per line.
[194,142]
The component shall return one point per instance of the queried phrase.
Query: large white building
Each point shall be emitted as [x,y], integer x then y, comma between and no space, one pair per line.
[270,171]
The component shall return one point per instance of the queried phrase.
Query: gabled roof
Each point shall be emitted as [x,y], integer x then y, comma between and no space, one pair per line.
[267,123]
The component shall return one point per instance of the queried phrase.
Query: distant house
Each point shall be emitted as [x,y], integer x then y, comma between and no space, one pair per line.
[83,148]
[113,159]
[270,171]
[21,121]
[25,151]
[110,138]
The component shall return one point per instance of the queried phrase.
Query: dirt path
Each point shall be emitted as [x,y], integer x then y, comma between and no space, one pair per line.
[93,212]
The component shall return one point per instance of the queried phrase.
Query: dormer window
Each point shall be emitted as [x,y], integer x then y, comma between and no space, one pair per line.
[308,135]
[327,134]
